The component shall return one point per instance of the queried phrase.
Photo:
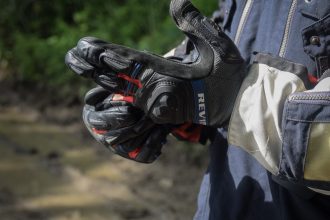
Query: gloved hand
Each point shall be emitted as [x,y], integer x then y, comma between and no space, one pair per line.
[114,122]
[200,87]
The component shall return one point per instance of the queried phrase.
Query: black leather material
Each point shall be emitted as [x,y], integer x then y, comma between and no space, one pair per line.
[212,44]
[122,128]
[199,87]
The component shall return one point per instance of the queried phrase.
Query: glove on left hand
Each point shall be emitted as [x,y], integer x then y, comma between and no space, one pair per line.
[201,88]
[114,122]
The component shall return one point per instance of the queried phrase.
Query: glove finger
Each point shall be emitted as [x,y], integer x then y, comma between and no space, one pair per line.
[96,95]
[118,100]
[118,136]
[133,144]
[102,77]
[152,146]
[203,32]
[112,118]
[109,81]
[103,99]
[99,129]
[92,50]
[144,148]
[137,149]
[77,64]
[114,65]
[195,70]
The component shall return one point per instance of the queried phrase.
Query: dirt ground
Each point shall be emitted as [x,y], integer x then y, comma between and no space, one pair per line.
[56,171]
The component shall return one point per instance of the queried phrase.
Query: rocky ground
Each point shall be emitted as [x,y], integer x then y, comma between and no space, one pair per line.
[52,170]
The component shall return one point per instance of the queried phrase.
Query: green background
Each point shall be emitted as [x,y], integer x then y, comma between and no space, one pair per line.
[36,34]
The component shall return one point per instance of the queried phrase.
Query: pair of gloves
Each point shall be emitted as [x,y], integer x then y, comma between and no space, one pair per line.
[143,97]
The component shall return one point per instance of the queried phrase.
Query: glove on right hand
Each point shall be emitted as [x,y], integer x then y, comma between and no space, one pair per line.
[201,88]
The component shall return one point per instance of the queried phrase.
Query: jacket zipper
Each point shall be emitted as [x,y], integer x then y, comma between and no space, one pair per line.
[242,21]
[305,97]
[287,28]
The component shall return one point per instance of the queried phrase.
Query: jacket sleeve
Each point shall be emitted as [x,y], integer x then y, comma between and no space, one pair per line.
[219,15]
[282,121]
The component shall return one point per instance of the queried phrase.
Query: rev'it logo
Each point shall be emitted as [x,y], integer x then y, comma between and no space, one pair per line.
[201,109]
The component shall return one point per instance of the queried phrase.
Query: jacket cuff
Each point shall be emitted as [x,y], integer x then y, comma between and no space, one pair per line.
[255,123]
[284,126]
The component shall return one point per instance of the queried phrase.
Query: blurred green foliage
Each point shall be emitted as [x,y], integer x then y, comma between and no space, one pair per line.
[36,34]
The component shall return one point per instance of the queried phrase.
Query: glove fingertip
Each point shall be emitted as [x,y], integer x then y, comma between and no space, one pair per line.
[90,49]
[95,96]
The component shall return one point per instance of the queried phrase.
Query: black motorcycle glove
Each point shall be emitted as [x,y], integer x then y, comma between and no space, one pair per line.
[114,122]
[200,87]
